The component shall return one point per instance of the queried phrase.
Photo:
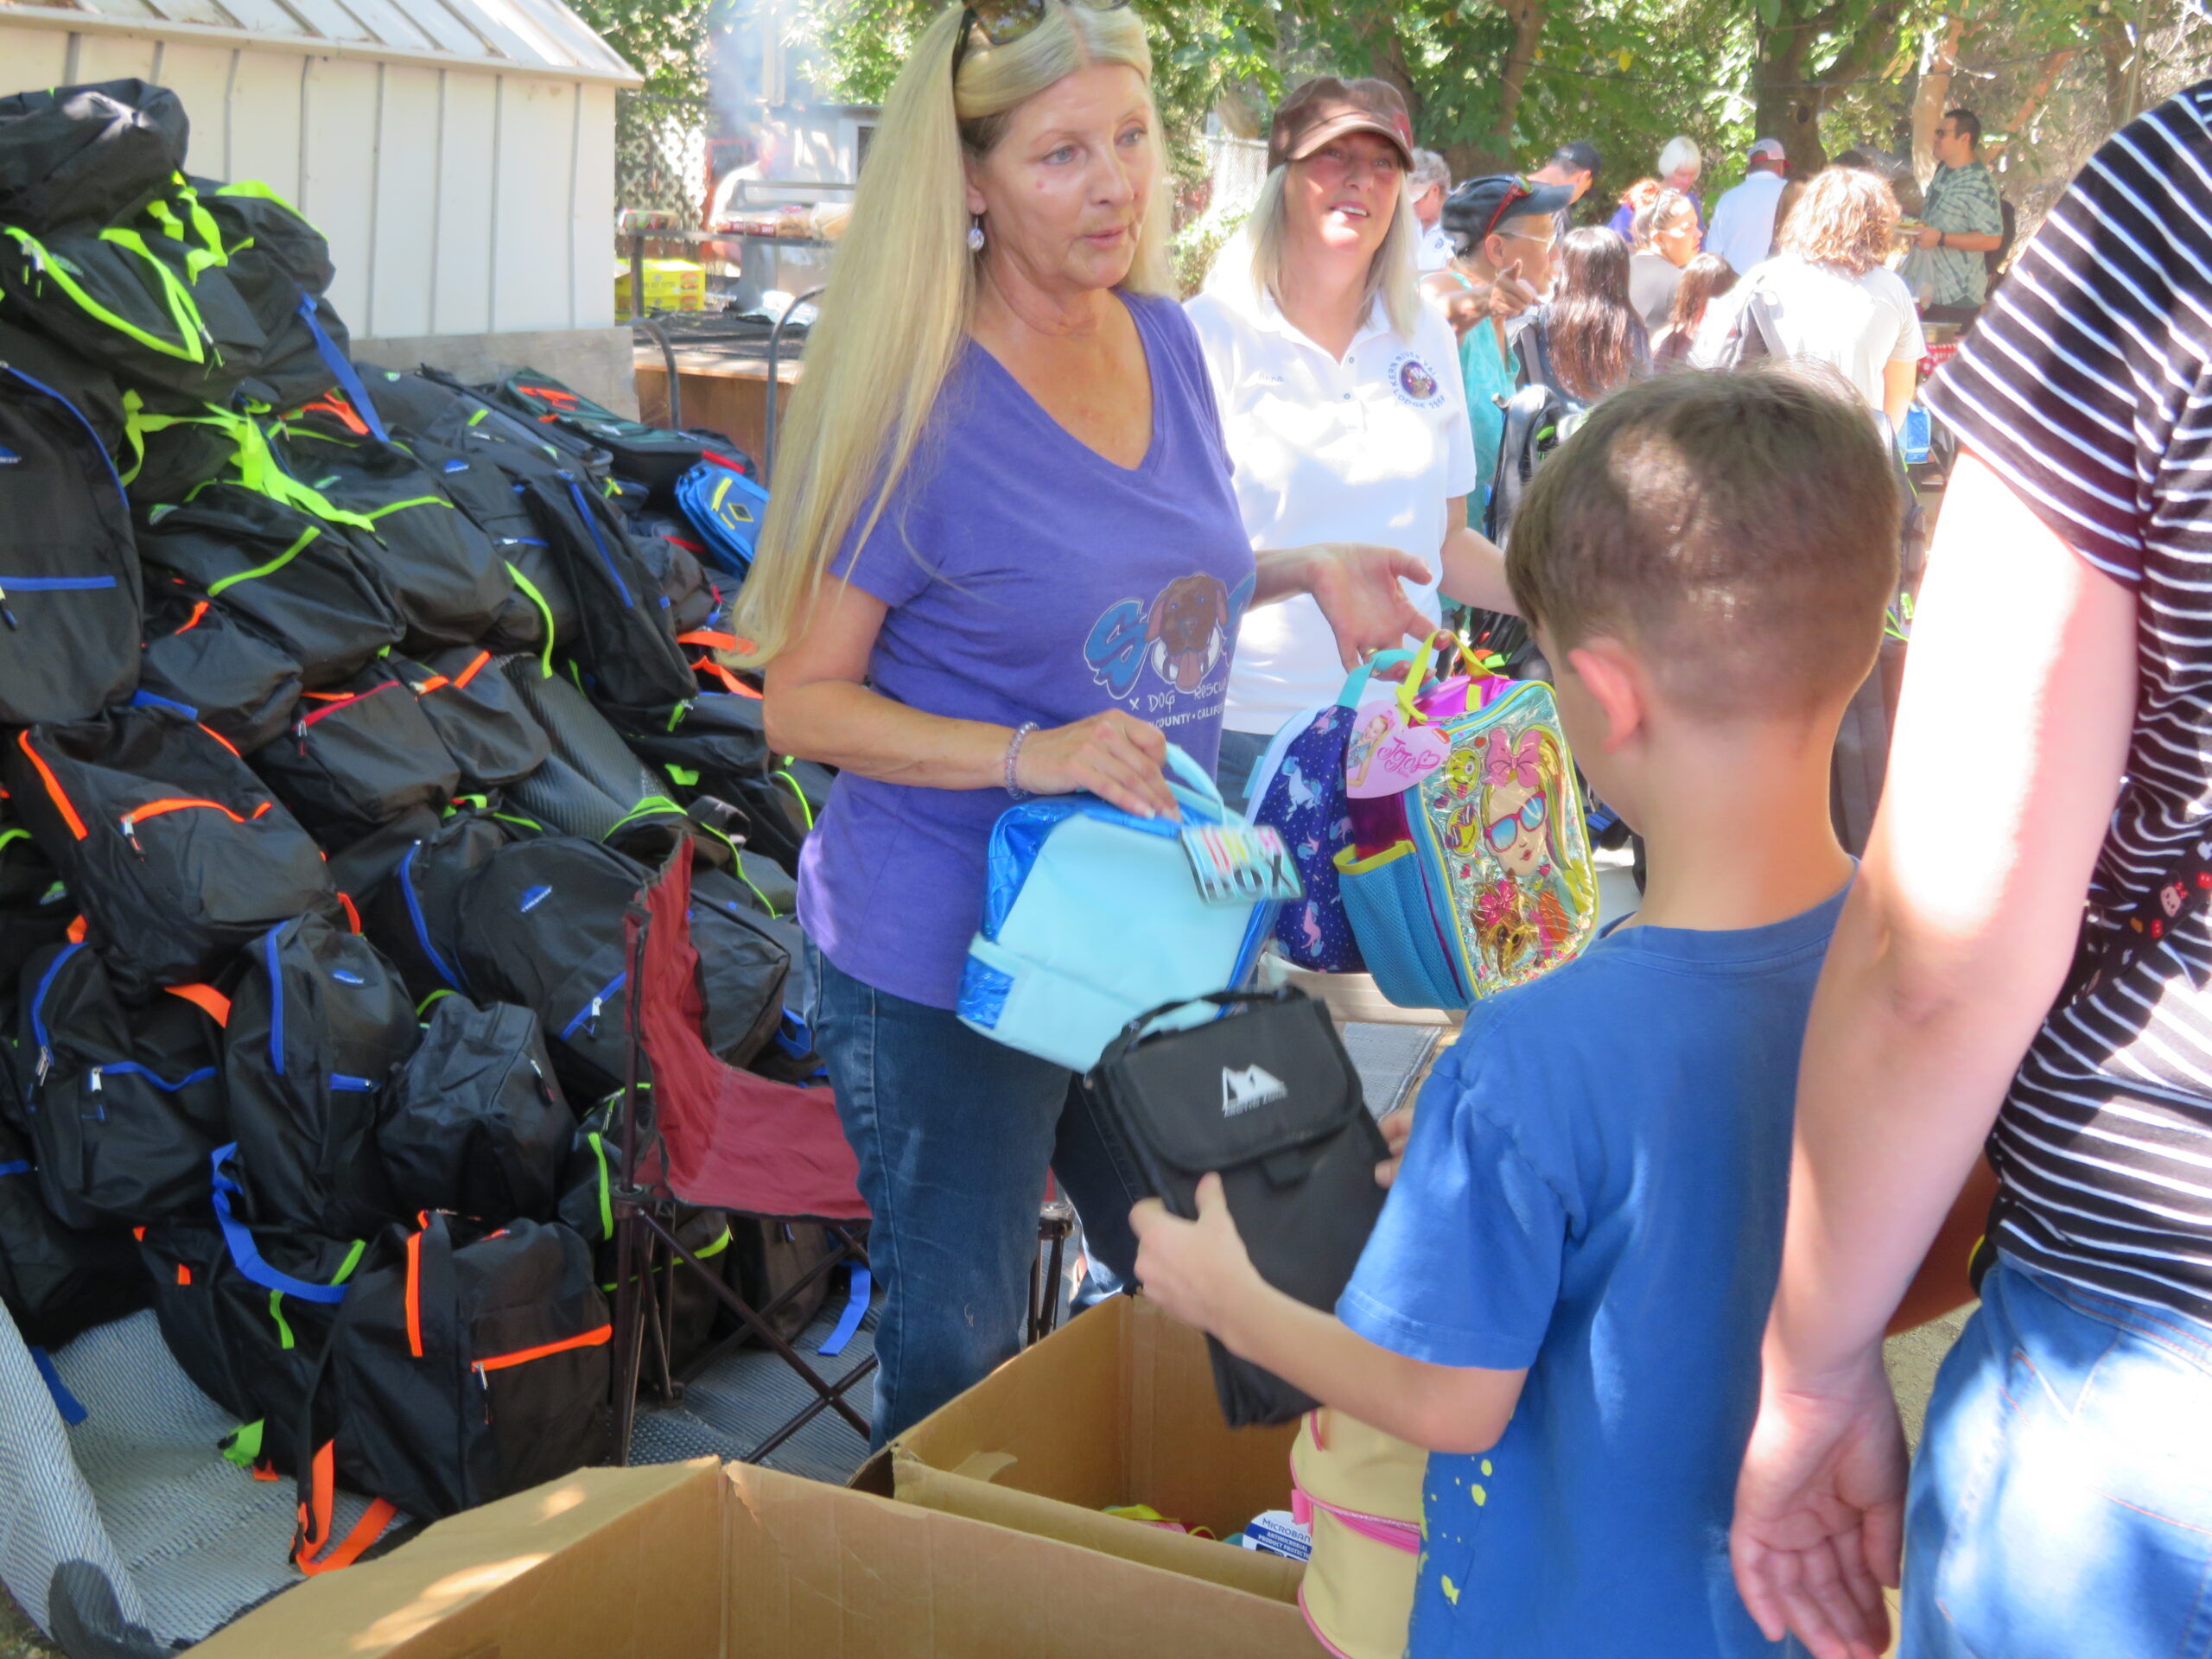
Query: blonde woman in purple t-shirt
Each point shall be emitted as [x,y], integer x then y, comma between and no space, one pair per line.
[1002,559]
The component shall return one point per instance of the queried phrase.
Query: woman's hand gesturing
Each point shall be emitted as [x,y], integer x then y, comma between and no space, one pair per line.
[1360,588]
[1114,756]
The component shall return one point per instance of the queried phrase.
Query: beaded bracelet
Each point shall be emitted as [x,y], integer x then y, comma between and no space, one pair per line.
[1014,755]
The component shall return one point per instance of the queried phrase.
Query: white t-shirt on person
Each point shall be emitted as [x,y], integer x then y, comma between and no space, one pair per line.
[1365,449]
[1858,324]
[1433,250]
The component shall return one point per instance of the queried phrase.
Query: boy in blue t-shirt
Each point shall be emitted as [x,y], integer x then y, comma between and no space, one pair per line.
[1564,1295]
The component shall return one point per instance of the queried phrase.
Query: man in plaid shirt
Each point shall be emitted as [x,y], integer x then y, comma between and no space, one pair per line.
[1963,217]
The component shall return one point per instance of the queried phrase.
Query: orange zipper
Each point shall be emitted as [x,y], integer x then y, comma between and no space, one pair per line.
[598,1337]
[53,787]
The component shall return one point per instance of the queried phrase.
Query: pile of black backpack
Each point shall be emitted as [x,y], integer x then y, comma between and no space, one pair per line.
[342,712]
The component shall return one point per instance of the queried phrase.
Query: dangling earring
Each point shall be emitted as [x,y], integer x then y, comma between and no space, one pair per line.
[976,235]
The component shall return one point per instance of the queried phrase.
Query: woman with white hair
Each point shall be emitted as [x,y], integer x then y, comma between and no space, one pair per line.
[1682,163]
[1340,393]
[1002,559]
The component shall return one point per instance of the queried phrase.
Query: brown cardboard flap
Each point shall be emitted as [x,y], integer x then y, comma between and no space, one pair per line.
[956,1493]
[823,1572]
[1117,1406]
[614,1563]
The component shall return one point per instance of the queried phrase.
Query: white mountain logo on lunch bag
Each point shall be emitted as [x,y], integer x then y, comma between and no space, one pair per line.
[1243,1091]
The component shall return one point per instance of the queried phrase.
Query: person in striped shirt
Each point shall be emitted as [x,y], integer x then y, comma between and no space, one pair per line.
[2055,738]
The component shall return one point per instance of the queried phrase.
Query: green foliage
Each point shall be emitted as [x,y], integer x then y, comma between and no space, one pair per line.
[662,39]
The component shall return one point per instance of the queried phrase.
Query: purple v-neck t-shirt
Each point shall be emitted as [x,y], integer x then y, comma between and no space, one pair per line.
[1028,578]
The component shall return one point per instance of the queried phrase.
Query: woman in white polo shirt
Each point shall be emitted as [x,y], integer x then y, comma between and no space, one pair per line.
[1340,393]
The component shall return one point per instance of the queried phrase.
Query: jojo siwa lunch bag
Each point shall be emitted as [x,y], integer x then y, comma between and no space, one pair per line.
[1476,876]
[1092,916]
[1298,789]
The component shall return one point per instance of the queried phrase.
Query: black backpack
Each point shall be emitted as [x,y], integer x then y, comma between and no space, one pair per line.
[494,738]
[1268,1098]
[459,1372]
[212,665]
[36,910]
[474,1123]
[413,916]
[55,1280]
[247,1312]
[280,265]
[541,924]
[176,852]
[86,154]
[357,757]
[652,456]
[319,1024]
[715,747]
[625,640]
[450,583]
[300,581]
[124,1105]
[69,582]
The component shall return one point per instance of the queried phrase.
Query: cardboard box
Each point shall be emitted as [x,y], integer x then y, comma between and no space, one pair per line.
[697,1561]
[1114,1407]
[670,285]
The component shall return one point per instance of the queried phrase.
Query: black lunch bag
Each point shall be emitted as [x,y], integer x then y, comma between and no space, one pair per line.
[177,855]
[124,1104]
[474,1123]
[1267,1097]
[319,1025]
[457,1372]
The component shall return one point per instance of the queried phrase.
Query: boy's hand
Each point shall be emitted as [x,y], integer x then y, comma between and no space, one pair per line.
[1397,1127]
[1197,1270]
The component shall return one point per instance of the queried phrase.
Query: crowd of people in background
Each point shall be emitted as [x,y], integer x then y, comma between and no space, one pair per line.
[1008,427]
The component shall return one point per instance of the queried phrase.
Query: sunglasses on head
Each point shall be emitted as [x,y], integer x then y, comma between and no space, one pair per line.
[1002,23]
[1530,817]
[1519,190]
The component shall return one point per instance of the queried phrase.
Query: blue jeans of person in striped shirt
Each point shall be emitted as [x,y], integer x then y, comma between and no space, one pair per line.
[2061,1503]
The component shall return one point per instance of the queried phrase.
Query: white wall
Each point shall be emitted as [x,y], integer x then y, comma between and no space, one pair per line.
[456,202]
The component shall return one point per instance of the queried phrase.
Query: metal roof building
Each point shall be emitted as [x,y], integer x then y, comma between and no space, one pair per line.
[457,154]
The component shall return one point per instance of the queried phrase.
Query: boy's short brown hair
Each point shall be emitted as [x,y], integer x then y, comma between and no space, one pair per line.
[1740,530]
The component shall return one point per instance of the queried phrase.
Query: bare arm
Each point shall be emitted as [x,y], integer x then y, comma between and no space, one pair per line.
[1954,940]
[1899,382]
[1474,567]
[1198,1271]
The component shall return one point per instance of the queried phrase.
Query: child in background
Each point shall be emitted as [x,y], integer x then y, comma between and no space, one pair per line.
[1564,1296]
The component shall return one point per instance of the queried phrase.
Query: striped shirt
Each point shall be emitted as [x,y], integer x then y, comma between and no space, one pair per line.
[2087,384]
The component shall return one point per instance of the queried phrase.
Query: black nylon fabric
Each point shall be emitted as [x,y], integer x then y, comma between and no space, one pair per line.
[414,915]
[475,1122]
[443,573]
[451,1427]
[56,1281]
[625,640]
[84,381]
[301,582]
[479,715]
[320,1023]
[124,1105]
[276,259]
[1268,1098]
[35,909]
[653,455]
[70,588]
[253,1351]
[184,858]
[714,746]
[360,870]
[214,662]
[357,758]
[86,153]
[442,421]
[593,783]
[686,592]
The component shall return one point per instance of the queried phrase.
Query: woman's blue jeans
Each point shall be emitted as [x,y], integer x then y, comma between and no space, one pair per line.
[954,1134]
[2061,1504]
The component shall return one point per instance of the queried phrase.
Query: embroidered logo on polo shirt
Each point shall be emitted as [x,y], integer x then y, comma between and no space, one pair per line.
[1412,381]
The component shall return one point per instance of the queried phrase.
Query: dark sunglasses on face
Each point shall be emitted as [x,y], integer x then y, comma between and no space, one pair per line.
[1002,23]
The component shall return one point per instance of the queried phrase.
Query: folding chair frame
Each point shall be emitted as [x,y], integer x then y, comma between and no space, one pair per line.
[642,1230]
